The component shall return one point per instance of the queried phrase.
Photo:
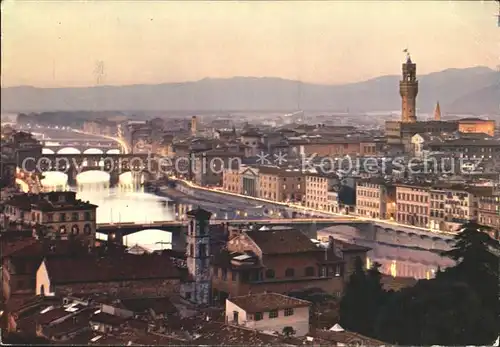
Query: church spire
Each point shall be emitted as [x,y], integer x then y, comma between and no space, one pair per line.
[437,112]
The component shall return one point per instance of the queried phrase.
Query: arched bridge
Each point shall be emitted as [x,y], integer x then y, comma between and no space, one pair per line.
[113,164]
[116,232]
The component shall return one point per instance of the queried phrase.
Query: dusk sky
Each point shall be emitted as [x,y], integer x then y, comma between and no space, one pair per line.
[59,44]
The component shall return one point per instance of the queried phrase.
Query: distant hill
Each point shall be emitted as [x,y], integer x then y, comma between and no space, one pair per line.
[471,90]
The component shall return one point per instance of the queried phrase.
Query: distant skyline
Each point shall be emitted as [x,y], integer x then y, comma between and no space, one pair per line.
[75,44]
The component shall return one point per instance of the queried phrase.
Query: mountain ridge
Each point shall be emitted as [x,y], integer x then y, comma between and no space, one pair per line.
[454,88]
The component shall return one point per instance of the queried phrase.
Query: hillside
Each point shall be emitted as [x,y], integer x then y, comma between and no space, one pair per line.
[474,89]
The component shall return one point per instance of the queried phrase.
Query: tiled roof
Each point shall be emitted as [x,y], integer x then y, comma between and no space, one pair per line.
[347,338]
[111,268]
[350,247]
[281,241]
[107,319]
[266,302]
[214,333]
[48,202]
[158,305]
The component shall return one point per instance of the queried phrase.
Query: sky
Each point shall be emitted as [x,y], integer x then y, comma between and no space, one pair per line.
[71,43]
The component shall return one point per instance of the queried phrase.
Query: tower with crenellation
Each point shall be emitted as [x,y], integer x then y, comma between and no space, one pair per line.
[408,89]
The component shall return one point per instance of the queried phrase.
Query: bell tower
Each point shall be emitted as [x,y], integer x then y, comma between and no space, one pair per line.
[408,88]
[198,255]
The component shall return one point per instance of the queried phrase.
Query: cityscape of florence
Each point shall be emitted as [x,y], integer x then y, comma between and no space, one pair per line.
[250,173]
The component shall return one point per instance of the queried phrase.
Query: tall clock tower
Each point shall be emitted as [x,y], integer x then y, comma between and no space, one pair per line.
[408,88]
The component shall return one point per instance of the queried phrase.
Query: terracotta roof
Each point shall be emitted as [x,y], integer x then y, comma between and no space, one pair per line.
[266,302]
[347,338]
[281,241]
[214,333]
[350,247]
[111,268]
[158,305]
[49,202]
[108,319]
[9,248]
[274,170]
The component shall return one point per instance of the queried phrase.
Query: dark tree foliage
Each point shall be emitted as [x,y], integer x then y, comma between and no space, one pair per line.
[362,300]
[435,312]
[476,254]
[459,307]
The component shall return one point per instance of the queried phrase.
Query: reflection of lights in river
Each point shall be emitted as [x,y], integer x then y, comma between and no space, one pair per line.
[394,271]
[125,203]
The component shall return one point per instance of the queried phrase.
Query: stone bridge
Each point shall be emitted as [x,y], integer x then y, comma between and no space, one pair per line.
[113,164]
[311,227]
[100,146]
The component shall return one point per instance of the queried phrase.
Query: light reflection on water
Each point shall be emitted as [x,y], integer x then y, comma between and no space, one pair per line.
[126,203]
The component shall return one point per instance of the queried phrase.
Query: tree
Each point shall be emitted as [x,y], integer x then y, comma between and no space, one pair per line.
[477,257]
[363,298]
[435,312]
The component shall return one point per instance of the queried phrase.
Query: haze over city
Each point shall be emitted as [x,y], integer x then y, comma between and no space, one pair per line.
[319,42]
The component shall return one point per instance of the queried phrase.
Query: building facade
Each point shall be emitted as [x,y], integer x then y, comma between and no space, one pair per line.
[375,198]
[412,204]
[269,312]
[60,214]
[476,125]
[280,184]
[318,186]
[280,261]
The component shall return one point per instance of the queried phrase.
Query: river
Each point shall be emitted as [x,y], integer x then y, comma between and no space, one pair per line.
[125,203]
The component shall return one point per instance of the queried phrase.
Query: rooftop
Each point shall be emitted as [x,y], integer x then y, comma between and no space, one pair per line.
[281,241]
[265,302]
[111,268]
[52,201]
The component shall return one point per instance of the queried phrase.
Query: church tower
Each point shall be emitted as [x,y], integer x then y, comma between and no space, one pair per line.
[408,88]
[437,112]
[198,256]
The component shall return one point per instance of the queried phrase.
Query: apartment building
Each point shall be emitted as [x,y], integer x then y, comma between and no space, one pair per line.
[375,198]
[61,214]
[489,212]
[412,204]
[450,207]
[231,181]
[280,184]
[318,187]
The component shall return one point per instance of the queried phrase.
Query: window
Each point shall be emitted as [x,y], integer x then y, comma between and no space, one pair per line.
[288,312]
[75,216]
[75,229]
[270,273]
[87,229]
[273,314]
[309,271]
[62,217]
[290,272]
[50,217]
[258,316]
[62,229]
[87,216]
